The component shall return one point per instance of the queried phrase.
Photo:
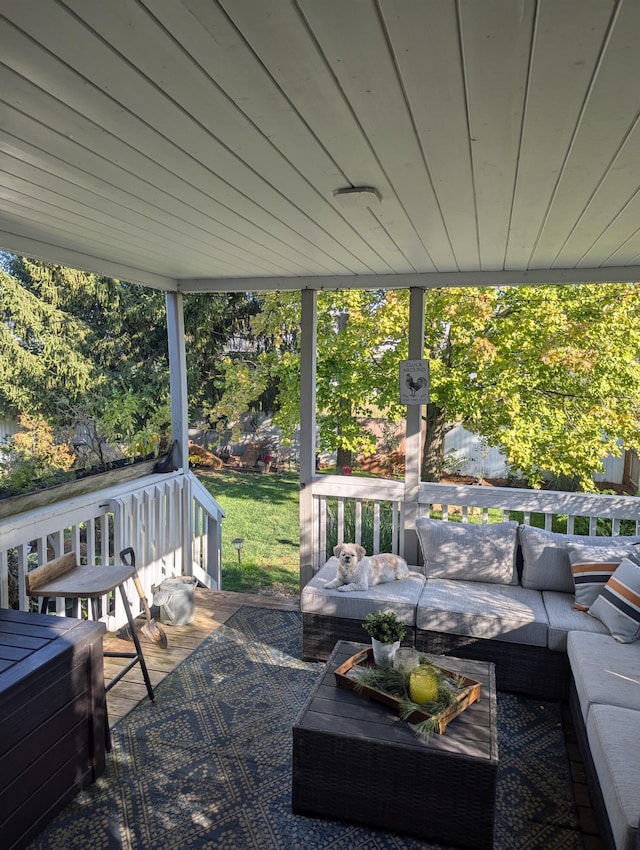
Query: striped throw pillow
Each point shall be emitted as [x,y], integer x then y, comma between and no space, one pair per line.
[591,569]
[618,605]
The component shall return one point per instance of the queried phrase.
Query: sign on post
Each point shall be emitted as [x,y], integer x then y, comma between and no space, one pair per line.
[414,381]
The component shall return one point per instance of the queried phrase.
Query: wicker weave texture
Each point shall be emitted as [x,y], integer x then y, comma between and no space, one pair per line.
[320,635]
[595,792]
[530,670]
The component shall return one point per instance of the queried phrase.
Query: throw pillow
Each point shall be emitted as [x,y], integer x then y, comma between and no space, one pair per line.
[618,605]
[545,559]
[468,552]
[592,567]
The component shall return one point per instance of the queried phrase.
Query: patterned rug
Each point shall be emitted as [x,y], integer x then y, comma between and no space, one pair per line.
[209,764]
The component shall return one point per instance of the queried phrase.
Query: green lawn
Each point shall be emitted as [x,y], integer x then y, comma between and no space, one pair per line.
[263,510]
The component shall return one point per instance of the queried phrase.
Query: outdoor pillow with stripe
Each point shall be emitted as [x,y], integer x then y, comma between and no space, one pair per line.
[592,567]
[618,605]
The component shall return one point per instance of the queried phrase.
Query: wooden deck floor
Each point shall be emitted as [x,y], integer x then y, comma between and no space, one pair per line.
[212,609]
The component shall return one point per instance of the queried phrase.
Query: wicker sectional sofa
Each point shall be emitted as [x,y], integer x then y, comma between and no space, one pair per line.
[511,594]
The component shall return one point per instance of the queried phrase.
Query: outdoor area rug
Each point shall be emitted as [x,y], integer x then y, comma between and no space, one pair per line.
[208,765]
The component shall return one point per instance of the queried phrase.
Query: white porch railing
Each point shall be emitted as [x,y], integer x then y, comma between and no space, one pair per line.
[571,513]
[368,511]
[371,511]
[172,523]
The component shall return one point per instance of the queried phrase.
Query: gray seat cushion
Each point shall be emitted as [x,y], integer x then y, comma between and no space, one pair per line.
[564,618]
[604,672]
[483,610]
[614,741]
[401,597]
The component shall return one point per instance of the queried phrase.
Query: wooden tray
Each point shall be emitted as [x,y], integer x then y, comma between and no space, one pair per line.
[469,694]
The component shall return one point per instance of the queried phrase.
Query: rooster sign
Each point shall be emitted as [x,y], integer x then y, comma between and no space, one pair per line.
[414,381]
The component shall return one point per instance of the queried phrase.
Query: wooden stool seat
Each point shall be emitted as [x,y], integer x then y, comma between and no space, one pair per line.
[64,578]
[80,582]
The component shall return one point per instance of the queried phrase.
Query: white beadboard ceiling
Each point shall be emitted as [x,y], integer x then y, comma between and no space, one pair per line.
[196,145]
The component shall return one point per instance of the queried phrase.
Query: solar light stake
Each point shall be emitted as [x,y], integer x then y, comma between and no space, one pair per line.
[237,542]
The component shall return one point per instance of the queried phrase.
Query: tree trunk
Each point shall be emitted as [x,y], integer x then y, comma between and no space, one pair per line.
[433,451]
[344,458]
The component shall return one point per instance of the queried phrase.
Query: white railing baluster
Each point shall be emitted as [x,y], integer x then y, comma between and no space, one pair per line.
[321,549]
[341,521]
[401,529]
[376,528]
[21,556]
[395,510]
[4,579]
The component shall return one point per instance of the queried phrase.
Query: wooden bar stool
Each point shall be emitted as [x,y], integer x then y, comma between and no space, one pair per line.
[63,577]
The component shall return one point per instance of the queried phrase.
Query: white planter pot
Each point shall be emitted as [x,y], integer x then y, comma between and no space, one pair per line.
[384,653]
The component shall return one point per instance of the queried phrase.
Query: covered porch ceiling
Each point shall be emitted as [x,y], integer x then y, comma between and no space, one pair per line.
[196,145]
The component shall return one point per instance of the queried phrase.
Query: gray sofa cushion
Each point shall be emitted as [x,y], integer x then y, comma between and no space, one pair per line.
[604,672]
[483,610]
[546,564]
[462,550]
[564,618]
[398,596]
[614,741]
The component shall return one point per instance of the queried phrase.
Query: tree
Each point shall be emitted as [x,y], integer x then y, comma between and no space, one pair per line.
[213,325]
[557,383]
[356,357]
[84,351]
[549,374]
[90,354]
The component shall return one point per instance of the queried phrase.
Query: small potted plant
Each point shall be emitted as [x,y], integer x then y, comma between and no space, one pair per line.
[386,632]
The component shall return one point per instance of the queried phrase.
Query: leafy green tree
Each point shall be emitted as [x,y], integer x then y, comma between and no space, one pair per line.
[85,351]
[32,454]
[549,374]
[40,351]
[552,375]
[361,335]
[213,324]
[90,354]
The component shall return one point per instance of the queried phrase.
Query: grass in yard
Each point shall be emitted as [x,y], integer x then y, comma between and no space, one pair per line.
[264,511]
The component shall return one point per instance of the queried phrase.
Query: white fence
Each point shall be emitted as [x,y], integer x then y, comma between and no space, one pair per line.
[340,500]
[172,523]
[468,454]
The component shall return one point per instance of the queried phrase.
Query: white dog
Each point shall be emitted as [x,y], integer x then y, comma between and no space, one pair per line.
[356,571]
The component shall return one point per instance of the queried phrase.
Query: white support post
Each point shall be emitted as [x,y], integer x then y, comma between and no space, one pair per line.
[308,327]
[413,442]
[178,376]
[180,413]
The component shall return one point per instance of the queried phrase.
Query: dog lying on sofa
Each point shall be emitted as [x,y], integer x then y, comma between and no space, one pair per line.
[356,571]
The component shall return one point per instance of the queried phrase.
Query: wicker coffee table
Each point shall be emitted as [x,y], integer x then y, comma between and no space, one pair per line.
[356,760]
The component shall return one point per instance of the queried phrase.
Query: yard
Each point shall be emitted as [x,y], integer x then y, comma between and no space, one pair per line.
[263,511]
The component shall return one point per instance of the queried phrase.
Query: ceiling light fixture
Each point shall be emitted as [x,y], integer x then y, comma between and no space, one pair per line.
[357,197]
